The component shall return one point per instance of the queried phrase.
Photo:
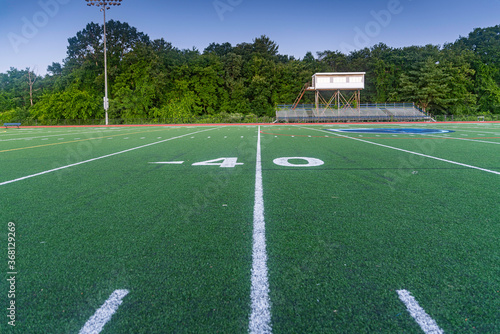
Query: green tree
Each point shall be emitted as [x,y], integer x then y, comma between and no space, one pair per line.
[178,110]
[427,85]
[206,82]
[69,104]
[310,63]
[140,86]
[265,47]
[260,73]
[218,49]
[290,79]
[85,55]
[235,88]
[485,43]
[18,89]
[332,61]
[487,89]
[457,64]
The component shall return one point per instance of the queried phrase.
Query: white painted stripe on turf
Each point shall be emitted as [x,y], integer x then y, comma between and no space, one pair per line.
[60,134]
[473,140]
[98,158]
[428,325]
[476,131]
[416,153]
[96,323]
[260,318]
[168,162]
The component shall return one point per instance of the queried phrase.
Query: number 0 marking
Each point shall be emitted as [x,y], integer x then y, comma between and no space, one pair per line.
[311,162]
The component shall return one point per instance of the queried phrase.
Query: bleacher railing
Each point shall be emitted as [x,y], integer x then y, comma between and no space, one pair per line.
[403,105]
[349,113]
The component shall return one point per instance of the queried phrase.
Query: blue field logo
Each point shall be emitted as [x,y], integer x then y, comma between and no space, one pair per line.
[393,131]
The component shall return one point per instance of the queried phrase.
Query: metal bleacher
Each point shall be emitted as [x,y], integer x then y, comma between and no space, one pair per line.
[381,112]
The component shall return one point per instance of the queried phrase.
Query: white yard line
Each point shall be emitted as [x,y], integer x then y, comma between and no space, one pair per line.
[428,325]
[70,134]
[478,131]
[168,163]
[260,318]
[473,140]
[411,152]
[98,158]
[96,323]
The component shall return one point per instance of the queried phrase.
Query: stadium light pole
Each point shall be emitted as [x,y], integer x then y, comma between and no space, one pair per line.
[105,5]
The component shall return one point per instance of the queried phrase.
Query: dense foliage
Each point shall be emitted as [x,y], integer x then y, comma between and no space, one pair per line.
[153,79]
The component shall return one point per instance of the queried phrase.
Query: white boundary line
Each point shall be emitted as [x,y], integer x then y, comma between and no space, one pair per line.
[98,158]
[260,318]
[96,323]
[428,325]
[411,152]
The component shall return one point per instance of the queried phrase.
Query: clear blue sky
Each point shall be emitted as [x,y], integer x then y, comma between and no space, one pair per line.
[34,33]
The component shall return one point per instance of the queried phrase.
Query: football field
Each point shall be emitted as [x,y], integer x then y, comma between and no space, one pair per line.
[331,228]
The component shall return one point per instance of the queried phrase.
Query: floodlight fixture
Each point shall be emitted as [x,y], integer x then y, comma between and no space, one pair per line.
[105,5]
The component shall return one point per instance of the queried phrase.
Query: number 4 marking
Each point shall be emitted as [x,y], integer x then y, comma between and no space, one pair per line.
[222,162]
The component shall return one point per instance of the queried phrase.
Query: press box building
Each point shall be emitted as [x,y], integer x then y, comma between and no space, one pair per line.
[339,83]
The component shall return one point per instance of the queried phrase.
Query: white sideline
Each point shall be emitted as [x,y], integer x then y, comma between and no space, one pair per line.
[416,153]
[428,325]
[98,158]
[96,323]
[260,318]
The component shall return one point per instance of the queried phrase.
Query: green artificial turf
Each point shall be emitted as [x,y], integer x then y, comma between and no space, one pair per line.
[342,237]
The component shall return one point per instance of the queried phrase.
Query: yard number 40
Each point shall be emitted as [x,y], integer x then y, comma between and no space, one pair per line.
[221,162]
[286,162]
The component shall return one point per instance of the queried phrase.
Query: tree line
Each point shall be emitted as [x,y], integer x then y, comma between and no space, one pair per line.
[153,79]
